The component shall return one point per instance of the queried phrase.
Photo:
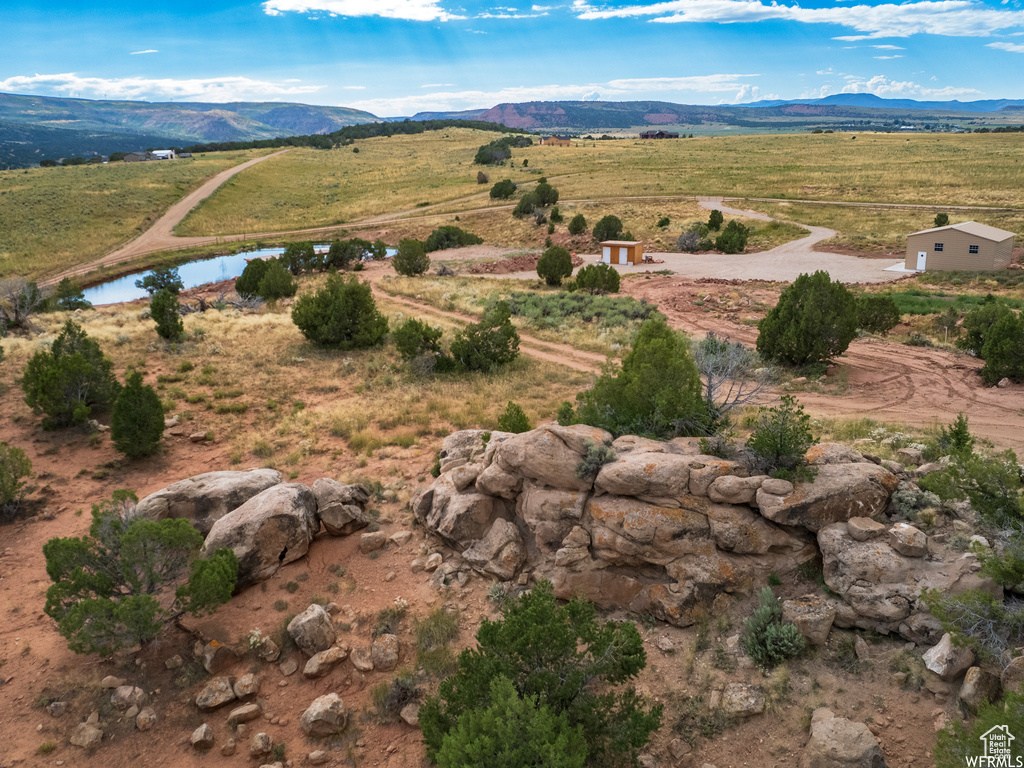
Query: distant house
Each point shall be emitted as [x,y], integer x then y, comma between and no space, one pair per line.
[162,154]
[554,141]
[658,135]
[136,157]
[969,246]
[622,252]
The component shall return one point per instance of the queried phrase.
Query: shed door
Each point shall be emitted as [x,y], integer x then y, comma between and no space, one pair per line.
[606,254]
[623,255]
[922,257]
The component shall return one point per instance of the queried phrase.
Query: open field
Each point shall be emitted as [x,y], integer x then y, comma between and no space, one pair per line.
[53,218]
[310,188]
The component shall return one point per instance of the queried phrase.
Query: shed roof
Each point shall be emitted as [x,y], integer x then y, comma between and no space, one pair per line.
[620,242]
[972,228]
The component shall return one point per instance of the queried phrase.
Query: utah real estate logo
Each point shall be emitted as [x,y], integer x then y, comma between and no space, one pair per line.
[998,750]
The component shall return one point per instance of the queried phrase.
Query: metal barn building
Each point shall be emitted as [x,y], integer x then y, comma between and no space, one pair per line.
[969,246]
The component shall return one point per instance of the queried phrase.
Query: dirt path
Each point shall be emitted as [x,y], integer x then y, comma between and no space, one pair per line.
[559,354]
[885,381]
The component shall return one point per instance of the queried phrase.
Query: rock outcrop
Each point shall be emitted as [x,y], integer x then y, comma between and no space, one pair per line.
[840,743]
[205,499]
[341,507]
[272,528]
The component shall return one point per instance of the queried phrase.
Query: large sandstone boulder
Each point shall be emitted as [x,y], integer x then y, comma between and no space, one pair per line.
[882,588]
[660,478]
[500,553]
[705,470]
[838,492]
[461,448]
[550,454]
[341,507]
[312,630]
[550,513]
[326,716]
[840,743]
[980,686]
[205,499]
[948,660]
[460,518]
[627,531]
[812,615]
[270,529]
[738,529]
[216,693]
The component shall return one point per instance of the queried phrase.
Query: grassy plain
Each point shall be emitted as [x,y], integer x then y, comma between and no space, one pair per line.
[54,218]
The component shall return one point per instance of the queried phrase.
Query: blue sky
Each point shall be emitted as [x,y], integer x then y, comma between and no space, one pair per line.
[398,57]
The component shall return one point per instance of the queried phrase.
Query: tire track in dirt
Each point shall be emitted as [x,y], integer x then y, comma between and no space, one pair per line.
[559,354]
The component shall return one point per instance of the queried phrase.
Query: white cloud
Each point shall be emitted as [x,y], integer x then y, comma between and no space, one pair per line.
[954,18]
[883,58]
[1011,47]
[888,47]
[409,10]
[612,90]
[510,15]
[214,89]
[151,50]
[886,88]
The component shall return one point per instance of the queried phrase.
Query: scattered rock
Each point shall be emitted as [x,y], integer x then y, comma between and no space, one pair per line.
[204,499]
[908,540]
[260,745]
[268,650]
[326,716]
[864,528]
[679,749]
[197,437]
[216,693]
[228,748]
[218,657]
[742,700]
[174,662]
[288,667]
[111,682]
[244,713]
[247,686]
[398,538]
[341,507]
[665,645]
[840,743]
[410,714]
[321,664]
[1003,383]
[57,708]
[361,659]
[947,660]
[271,529]
[812,615]
[318,757]
[860,647]
[980,686]
[131,712]
[384,653]
[146,719]
[910,456]
[86,736]
[371,542]
[125,696]
[202,737]
[433,562]
[312,630]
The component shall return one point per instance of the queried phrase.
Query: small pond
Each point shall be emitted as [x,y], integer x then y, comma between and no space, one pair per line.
[193,274]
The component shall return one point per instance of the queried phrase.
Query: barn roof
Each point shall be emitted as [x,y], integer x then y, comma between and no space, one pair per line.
[972,228]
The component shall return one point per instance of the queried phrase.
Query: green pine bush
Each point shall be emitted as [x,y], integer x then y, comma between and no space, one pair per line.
[411,258]
[14,466]
[503,190]
[163,308]
[733,238]
[877,314]
[137,419]
[450,236]
[814,321]
[248,283]
[414,338]
[577,224]
[70,296]
[161,279]
[608,228]
[70,379]
[979,322]
[276,283]
[1003,351]
[514,419]
[554,265]
[341,315]
[598,278]
[781,437]
[489,344]
[715,220]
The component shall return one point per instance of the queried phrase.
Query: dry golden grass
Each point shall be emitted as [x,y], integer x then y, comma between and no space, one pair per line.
[297,404]
[54,218]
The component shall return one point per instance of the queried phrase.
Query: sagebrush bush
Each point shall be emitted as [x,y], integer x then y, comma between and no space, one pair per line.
[595,458]
[767,639]
[514,419]
[548,310]
[341,315]
[70,379]
[137,419]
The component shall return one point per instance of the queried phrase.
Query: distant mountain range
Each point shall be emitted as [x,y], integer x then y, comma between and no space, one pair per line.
[37,127]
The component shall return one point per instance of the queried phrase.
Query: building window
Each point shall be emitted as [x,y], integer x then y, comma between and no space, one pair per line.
[972,249]
[938,246]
